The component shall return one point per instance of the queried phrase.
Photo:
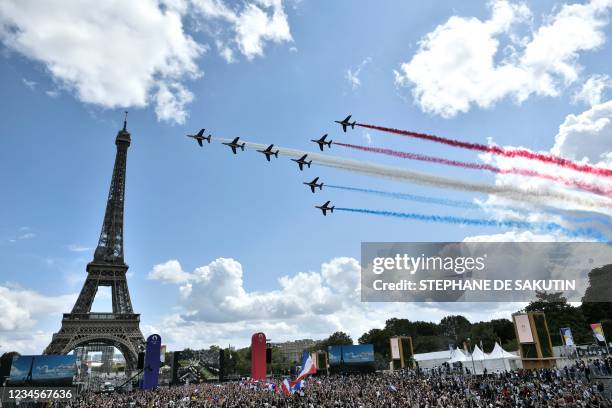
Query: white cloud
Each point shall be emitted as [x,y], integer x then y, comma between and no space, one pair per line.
[352,75]
[170,271]
[252,26]
[304,305]
[111,54]
[592,90]
[458,64]
[22,307]
[587,136]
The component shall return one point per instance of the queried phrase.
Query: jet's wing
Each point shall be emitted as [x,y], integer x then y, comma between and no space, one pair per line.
[233,149]
[321,146]
[347,118]
[199,142]
[267,157]
[301,165]
[235,140]
[201,132]
[344,127]
[312,188]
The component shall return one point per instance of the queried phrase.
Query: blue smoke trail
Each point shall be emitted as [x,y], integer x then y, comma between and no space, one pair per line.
[467,204]
[502,223]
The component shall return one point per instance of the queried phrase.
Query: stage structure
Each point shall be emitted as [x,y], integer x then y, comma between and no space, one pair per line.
[401,352]
[120,328]
[534,341]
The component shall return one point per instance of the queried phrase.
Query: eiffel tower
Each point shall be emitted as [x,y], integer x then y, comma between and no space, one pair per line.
[120,328]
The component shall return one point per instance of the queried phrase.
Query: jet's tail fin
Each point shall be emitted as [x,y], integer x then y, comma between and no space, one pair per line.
[276,154]
[329,143]
[208,138]
[242,147]
[309,163]
[353,125]
[321,186]
[332,209]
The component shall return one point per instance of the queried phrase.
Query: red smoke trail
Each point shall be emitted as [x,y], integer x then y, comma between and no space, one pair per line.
[479,166]
[545,158]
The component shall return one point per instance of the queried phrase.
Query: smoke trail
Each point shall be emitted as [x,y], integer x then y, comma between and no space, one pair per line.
[545,158]
[469,205]
[480,166]
[410,197]
[537,196]
[542,226]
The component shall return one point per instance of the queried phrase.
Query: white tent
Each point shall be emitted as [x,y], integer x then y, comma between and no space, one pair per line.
[457,356]
[499,352]
[500,360]
[477,354]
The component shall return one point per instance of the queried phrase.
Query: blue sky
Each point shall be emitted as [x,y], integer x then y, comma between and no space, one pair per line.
[291,74]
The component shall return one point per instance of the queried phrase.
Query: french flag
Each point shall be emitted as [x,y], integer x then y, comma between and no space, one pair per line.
[286,387]
[308,367]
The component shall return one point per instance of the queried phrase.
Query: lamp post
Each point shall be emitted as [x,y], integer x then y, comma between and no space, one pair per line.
[471,355]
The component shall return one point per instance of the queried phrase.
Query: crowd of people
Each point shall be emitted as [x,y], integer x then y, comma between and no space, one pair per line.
[567,387]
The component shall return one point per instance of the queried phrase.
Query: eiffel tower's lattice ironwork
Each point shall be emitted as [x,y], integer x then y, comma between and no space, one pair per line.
[120,328]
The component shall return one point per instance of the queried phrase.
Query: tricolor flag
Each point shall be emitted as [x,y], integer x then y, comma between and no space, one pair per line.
[598,332]
[566,334]
[286,387]
[308,367]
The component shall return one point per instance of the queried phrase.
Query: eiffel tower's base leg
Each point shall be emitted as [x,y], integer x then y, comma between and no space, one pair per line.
[119,330]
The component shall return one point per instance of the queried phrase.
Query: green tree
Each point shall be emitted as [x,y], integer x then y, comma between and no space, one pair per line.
[483,333]
[337,339]
[560,314]
[379,338]
[456,328]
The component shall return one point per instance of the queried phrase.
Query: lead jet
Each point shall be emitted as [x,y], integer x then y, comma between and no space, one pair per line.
[313,184]
[268,152]
[346,123]
[325,207]
[321,142]
[302,161]
[234,145]
[199,137]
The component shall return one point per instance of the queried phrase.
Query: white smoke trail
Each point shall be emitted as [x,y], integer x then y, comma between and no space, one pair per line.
[400,174]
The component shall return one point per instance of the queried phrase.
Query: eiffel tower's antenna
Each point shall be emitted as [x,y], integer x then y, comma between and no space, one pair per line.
[125,121]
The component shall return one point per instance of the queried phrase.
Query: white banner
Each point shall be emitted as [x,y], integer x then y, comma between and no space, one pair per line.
[395,352]
[523,328]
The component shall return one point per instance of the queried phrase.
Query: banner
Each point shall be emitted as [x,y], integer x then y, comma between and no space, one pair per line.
[151,363]
[523,328]
[395,351]
[566,335]
[598,332]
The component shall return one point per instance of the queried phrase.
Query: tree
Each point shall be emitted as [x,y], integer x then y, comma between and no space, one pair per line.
[379,338]
[560,314]
[596,302]
[483,333]
[455,327]
[337,339]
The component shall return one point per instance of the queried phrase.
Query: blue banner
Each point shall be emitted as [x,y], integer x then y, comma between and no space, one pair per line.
[151,363]
[47,370]
[334,355]
[359,354]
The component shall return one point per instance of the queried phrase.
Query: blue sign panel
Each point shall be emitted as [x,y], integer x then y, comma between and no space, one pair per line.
[48,370]
[334,355]
[151,363]
[359,354]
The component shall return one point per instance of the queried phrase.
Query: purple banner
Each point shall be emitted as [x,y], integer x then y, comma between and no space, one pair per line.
[151,363]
